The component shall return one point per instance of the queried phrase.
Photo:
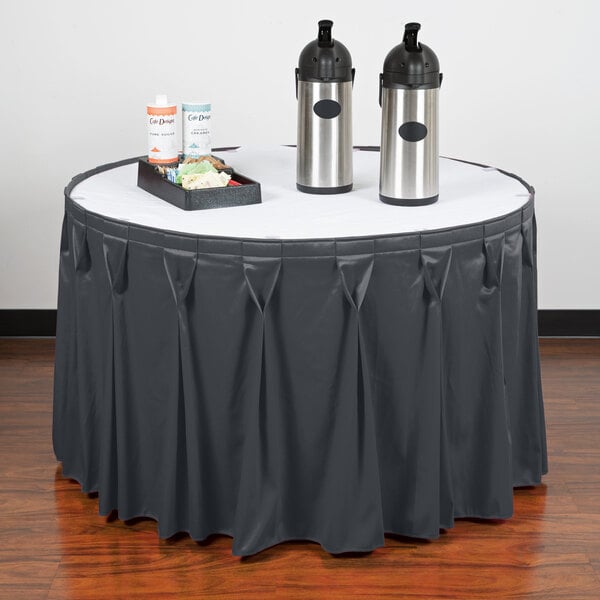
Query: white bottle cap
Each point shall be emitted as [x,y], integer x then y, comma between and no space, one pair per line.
[161,100]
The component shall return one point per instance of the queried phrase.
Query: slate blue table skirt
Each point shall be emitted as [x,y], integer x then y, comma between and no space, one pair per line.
[319,390]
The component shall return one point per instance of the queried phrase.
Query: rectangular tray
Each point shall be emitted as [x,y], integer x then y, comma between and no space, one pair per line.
[239,195]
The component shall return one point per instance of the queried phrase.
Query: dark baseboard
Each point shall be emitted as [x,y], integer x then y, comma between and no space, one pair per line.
[569,323]
[27,323]
[551,323]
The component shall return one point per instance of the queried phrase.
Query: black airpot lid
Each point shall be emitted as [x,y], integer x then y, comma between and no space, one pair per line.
[325,59]
[411,64]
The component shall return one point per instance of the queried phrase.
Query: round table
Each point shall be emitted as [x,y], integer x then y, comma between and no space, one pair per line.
[327,368]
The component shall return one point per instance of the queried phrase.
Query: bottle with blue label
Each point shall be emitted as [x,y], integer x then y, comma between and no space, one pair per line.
[196,129]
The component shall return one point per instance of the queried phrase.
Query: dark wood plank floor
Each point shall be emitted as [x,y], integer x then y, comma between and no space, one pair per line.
[53,544]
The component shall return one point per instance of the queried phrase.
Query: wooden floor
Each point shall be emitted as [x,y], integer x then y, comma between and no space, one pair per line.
[53,544]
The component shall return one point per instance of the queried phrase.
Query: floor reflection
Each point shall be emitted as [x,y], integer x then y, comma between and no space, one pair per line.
[474,558]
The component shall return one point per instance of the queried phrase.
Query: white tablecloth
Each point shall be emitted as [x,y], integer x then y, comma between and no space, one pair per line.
[468,194]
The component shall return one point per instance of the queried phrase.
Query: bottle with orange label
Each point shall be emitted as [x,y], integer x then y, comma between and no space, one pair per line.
[162,128]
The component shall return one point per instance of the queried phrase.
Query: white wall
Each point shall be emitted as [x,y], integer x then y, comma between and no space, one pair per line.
[521,92]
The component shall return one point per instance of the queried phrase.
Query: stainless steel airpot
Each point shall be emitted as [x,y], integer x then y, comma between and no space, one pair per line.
[408,96]
[324,79]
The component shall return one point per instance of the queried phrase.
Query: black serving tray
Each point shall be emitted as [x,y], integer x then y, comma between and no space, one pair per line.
[235,195]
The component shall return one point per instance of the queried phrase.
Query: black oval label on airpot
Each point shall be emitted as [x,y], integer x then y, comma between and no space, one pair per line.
[412,131]
[327,109]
